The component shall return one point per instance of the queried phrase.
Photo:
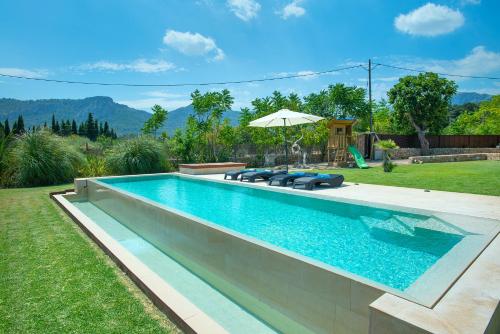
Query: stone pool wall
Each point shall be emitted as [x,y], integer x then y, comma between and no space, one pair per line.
[292,295]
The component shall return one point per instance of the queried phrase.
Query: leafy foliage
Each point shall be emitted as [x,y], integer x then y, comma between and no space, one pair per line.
[457,110]
[5,139]
[40,158]
[156,120]
[338,101]
[207,122]
[136,156]
[95,166]
[484,120]
[386,146]
[422,102]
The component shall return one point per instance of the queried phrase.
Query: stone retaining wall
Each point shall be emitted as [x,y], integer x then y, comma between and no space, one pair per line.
[404,153]
[455,157]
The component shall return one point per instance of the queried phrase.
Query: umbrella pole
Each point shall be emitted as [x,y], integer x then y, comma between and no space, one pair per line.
[286,146]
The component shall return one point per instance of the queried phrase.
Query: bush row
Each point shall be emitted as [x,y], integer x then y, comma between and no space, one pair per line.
[41,158]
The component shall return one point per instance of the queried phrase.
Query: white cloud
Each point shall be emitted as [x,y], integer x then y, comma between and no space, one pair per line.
[193,44]
[139,65]
[293,9]
[166,99]
[148,103]
[244,9]
[430,20]
[479,62]
[21,72]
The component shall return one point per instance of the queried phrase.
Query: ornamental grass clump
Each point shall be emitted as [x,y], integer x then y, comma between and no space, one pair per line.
[40,158]
[136,156]
[387,146]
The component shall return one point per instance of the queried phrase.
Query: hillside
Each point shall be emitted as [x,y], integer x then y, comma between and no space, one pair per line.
[466,97]
[123,119]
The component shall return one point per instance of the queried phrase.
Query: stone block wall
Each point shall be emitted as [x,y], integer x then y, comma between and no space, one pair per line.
[404,153]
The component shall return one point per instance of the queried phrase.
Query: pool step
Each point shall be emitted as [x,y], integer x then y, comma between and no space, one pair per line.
[409,226]
[437,225]
[392,225]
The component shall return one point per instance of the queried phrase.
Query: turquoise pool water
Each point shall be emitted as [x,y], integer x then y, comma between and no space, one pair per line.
[390,247]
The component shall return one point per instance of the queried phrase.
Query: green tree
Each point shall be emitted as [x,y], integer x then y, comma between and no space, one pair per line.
[209,109]
[82,131]
[56,129]
[383,120]
[387,146]
[91,128]
[422,101]
[338,101]
[53,124]
[183,143]
[20,125]
[6,128]
[106,132]
[483,121]
[14,128]
[156,120]
[457,110]
[74,129]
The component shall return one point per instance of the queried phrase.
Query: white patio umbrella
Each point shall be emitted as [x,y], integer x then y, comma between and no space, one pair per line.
[284,118]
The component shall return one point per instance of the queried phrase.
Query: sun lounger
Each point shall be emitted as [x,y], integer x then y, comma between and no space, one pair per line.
[264,175]
[234,174]
[283,179]
[333,180]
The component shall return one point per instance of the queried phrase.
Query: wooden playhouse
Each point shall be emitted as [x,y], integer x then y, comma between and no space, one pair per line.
[340,137]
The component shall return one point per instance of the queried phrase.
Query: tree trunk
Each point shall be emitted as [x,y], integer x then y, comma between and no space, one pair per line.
[424,143]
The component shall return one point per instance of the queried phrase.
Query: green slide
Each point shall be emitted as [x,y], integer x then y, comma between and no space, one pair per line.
[360,161]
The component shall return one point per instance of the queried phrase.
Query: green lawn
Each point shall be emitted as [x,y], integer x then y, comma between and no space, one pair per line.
[53,279]
[476,177]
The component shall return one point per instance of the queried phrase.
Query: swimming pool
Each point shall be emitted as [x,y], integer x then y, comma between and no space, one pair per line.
[298,261]
[390,247]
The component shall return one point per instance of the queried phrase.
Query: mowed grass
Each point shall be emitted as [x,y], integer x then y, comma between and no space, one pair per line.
[53,279]
[475,177]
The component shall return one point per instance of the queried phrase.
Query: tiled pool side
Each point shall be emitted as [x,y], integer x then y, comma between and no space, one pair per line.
[269,283]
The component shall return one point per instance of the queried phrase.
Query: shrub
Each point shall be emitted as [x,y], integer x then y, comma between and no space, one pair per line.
[95,166]
[386,146]
[4,143]
[136,156]
[40,158]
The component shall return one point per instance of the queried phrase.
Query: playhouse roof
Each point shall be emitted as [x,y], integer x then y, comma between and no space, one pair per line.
[342,121]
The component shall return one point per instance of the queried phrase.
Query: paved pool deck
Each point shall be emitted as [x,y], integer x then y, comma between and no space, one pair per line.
[449,202]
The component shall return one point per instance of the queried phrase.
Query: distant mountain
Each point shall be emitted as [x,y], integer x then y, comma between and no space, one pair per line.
[466,97]
[123,119]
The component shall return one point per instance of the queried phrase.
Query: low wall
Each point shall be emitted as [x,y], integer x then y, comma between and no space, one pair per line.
[405,153]
[455,157]
[210,168]
[292,295]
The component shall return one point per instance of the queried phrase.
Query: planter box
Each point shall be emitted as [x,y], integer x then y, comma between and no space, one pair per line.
[210,168]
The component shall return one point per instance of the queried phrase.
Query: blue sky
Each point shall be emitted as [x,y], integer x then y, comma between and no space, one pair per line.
[176,41]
